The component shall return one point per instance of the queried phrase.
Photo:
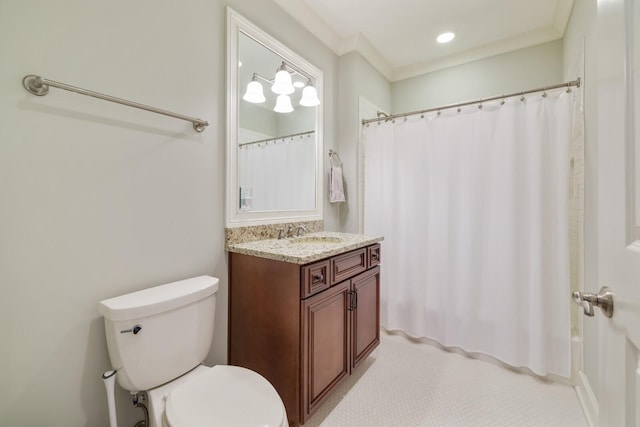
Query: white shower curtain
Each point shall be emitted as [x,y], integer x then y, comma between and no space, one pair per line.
[278,175]
[473,206]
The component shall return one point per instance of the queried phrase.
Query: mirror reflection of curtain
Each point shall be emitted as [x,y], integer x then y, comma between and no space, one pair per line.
[278,175]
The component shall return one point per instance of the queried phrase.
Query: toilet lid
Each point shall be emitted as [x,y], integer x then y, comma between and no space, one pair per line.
[225,396]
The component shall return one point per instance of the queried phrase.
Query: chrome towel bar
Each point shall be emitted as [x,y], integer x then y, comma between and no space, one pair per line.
[40,86]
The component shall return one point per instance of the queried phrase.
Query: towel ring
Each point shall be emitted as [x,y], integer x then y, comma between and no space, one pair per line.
[334,158]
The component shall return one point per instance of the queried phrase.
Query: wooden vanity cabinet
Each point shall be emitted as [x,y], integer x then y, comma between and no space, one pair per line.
[304,327]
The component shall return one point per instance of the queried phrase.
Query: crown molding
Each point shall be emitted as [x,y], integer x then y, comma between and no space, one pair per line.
[301,12]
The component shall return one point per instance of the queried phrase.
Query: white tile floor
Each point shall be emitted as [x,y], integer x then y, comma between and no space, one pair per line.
[405,383]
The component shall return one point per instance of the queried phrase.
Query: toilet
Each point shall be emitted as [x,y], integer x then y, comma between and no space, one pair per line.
[157,340]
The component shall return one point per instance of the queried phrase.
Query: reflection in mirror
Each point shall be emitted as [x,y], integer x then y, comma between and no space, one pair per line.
[274,130]
[276,158]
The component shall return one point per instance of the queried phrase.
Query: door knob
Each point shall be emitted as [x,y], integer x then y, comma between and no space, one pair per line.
[603,299]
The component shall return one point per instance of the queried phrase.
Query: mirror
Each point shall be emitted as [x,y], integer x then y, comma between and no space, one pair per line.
[274,141]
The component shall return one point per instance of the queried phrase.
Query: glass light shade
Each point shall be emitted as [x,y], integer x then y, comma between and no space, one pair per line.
[309,97]
[254,93]
[282,84]
[283,104]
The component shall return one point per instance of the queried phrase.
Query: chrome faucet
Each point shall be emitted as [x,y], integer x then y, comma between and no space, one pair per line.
[297,230]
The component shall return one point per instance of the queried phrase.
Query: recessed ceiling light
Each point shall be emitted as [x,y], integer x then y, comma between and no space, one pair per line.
[445,37]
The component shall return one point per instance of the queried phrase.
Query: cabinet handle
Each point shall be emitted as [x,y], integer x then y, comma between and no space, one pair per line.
[317,278]
[353,300]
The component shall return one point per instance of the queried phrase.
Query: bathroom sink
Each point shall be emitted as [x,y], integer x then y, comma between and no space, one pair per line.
[319,240]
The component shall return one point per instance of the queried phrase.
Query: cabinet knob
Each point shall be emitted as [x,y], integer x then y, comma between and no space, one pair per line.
[317,278]
[375,255]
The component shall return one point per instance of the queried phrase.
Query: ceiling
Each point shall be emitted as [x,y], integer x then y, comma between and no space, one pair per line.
[398,36]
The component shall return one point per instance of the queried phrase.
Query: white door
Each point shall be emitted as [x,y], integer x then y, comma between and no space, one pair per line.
[619,209]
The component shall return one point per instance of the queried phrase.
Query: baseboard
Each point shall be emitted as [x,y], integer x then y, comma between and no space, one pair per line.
[587,400]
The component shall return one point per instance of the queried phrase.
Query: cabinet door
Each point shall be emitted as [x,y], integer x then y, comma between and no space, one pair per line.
[365,324]
[325,344]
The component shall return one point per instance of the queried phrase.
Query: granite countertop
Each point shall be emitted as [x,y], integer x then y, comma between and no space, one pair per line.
[306,248]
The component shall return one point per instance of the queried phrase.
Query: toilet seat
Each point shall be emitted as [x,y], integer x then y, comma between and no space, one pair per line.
[225,396]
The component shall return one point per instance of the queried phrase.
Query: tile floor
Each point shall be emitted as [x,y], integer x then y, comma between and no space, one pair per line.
[407,383]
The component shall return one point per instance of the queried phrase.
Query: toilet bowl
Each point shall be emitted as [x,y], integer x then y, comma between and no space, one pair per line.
[157,340]
[219,396]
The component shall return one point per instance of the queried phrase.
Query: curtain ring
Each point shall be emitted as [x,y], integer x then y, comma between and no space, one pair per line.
[544,92]
[522,97]
[422,116]
[568,88]
[439,112]
[502,101]
[405,118]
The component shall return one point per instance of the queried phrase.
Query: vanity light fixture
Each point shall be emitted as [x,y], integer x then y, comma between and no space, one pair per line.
[282,84]
[283,104]
[254,93]
[445,37]
[309,96]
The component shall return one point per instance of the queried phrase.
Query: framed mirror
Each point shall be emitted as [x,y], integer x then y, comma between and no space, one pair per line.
[274,130]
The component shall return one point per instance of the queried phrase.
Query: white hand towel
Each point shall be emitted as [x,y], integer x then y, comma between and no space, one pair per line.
[336,189]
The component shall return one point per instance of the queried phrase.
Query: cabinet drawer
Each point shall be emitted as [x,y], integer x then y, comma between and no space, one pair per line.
[315,278]
[348,265]
[373,255]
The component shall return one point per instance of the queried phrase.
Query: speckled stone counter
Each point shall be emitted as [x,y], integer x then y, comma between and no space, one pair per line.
[236,235]
[306,248]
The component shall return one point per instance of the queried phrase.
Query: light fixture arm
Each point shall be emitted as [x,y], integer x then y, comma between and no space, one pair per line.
[258,76]
[291,69]
[288,68]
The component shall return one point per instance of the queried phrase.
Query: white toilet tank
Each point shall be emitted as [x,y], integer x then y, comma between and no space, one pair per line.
[157,334]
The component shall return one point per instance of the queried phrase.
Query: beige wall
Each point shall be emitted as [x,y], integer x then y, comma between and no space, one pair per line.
[356,77]
[97,199]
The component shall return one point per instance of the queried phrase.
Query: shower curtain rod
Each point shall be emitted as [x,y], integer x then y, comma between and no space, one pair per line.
[301,134]
[568,85]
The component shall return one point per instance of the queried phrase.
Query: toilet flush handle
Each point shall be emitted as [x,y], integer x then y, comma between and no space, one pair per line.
[135,330]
